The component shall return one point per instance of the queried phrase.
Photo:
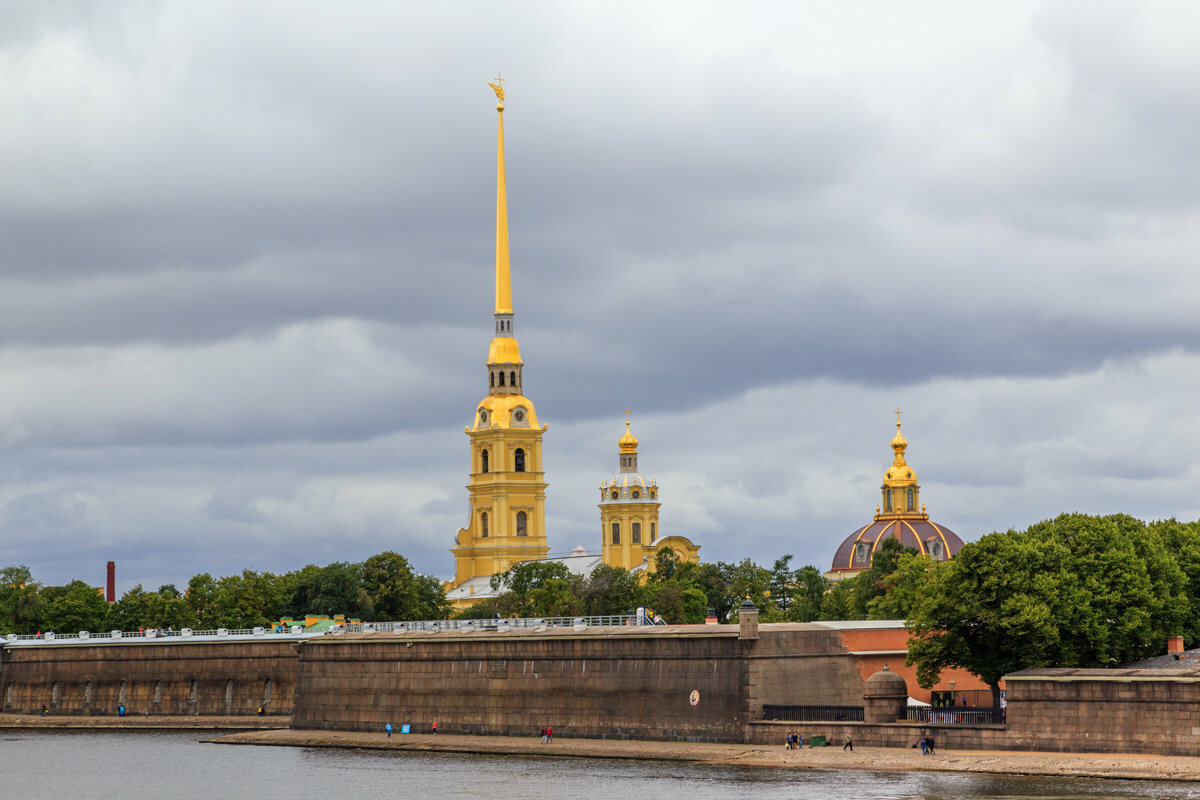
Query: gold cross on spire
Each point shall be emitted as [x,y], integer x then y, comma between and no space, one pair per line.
[498,88]
[626,416]
[898,413]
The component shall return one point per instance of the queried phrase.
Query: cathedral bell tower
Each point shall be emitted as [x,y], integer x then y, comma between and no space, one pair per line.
[628,510]
[507,487]
[630,537]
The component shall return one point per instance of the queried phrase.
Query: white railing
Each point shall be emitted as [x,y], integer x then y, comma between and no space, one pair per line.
[297,631]
[578,623]
[294,631]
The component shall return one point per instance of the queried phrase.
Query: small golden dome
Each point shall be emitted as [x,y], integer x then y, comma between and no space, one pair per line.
[899,472]
[628,443]
[504,350]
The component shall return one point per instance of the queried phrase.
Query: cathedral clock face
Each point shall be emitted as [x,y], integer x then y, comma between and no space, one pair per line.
[483,417]
[519,415]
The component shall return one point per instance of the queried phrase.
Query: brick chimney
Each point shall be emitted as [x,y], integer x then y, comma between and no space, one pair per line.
[1174,645]
[110,588]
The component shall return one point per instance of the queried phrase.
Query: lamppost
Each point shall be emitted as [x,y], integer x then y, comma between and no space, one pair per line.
[951,703]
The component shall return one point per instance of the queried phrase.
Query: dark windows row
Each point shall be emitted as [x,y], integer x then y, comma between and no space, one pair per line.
[522,524]
[518,461]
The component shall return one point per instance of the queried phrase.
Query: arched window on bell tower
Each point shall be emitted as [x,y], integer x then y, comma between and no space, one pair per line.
[887,500]
[635,533]
[483,525]
[519,460]
[483,461]
[912,501]
[522,524]
[616,533]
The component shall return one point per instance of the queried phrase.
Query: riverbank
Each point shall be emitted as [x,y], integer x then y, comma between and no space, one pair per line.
[1080,765]
[143,721]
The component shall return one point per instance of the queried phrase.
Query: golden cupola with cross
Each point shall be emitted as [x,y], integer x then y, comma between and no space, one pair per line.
[507,486]
[629,504]
[900,515]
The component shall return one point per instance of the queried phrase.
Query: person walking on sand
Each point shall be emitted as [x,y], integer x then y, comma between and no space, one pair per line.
[550,734]
[849,745]
[544,735]
[388,728]
[435,727]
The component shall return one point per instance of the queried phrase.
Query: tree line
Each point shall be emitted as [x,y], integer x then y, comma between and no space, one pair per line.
[384,586]
[1074,591]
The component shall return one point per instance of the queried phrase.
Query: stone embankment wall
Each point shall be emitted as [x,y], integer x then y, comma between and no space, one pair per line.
[1105,710]
[222,679]
[621,683]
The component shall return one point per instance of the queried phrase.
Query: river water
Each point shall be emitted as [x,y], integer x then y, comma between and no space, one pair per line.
[156,765]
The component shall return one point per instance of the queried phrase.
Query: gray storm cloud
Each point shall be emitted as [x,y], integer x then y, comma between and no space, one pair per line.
[246,264]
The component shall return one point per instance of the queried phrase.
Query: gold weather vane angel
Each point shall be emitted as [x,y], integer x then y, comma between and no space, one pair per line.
[497,88]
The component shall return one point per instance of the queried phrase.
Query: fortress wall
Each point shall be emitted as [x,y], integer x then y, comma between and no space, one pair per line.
[1112,711]
[800,664]
[623,683]
[209,678]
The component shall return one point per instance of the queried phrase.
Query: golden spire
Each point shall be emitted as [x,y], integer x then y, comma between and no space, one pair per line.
[503,282]
[899,444]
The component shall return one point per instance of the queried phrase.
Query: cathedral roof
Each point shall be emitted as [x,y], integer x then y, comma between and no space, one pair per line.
[923,535]
[504,410]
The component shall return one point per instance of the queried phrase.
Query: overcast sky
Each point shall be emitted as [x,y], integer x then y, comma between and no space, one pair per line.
[247,249]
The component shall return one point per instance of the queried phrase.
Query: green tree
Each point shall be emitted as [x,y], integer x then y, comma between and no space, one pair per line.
[807,595]
[168,609]
[521,579]
[838,603]
[666,564]
[902,588]
[20,601]
[990,611]
[1182,541]
[74,607]
[251,599]
[1075,591]
[334,589]
[747,579]
[869,585]
[536,589]
[201,599]
[1121,593]
[610,590]
[677,602]
[396,592]
[130,612]
[783,584]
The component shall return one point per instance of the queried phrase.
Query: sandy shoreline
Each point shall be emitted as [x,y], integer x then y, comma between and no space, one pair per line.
[1139,767]
[272,731]
[143,722]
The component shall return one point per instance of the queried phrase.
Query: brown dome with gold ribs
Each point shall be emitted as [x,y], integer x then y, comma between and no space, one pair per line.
[928,538]
[900,515]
